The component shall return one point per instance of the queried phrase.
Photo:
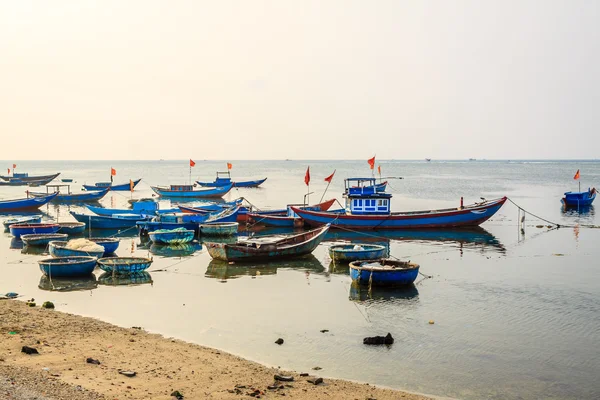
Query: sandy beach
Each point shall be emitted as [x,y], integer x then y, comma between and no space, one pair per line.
[162,366]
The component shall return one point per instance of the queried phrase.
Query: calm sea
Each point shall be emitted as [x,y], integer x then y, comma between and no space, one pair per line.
[517,316]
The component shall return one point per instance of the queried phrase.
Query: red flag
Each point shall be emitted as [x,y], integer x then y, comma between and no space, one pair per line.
[9,170]
[192,163]
[131,185]
[379,169]
[371,162]
[113,172]
[229,166]
[14,166]
[307,176]
[576,175]
[330,177]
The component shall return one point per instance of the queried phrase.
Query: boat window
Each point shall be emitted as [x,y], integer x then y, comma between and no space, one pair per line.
[360,202]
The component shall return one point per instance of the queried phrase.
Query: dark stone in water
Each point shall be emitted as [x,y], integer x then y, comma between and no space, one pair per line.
[284,378]
[29,350]
[279,341]
[315,381]
[90,360]
[177,394]
[130,374]
[324,330]
[304,374]
[388,339]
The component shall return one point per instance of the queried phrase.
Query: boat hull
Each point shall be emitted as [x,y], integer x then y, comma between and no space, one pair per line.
[29,229]
[71,228]
[363,275]
[34,219]
[122,187]
[579,199]
[101,222]
[242,184]
[176,236]
[25,204]
[124,265]
[68,266]
[219,229]
[30,178]
[448,218]
[110,244]
[275,221]
[58,249]
[42,239]
[347,252]
[217,192]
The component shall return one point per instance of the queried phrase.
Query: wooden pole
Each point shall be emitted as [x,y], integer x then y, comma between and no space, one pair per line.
[325,191]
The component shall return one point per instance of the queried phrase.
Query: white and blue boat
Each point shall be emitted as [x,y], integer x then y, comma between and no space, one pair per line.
[356,251]
[366,208]
[383,272]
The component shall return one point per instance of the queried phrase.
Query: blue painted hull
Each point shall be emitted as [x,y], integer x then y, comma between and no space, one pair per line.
[75,197]
[110,244]
[347,253]
[123,187]
[579,199]
[124,265]
[151,226]
[275,221]
[57,249]
[173,236]
[42,239]
[206,193]
[34,219]
[100,222]
[447,218]
[25,204]
[69,266]
[71,228]
[29,229]
[245,184]
[387,277]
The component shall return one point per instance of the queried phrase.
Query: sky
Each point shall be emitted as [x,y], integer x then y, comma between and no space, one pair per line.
[335,79]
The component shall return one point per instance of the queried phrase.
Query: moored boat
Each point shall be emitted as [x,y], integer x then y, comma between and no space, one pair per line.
[110,244]
[268,247]
[139,208]
[25,204]
[116,221]
[124,265]
[71,228]
[219,229]
[60,248]
[383,272]
[172,236]
[224,179]
[30,219]
[579,199]
[24,229]
[356,251]
[122,187]
[188,191]
[67,196]
[25,177]
[42,239]
[68,266]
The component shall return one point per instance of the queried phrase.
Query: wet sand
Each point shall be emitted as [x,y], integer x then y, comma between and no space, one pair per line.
[162,365]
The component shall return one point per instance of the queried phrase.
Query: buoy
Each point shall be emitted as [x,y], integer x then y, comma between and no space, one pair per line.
[431,322]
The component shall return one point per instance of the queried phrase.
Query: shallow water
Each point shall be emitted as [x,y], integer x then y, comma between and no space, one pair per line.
[516,316]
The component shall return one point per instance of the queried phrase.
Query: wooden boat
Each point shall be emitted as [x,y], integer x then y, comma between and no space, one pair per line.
[24,176]
[356,251]
[383,272]
[58,248]
[187,191]
[219,228]
[579,199]
[368,209]
[224,179]
[42,239]
[268,248]
[68,266]
[124,265]
[116,221]
[25,204]
[110,244]
[172,236]
[122,187]
[66,196]
[68,284]
[31,219]
[135,278]
[27,229]
[71,228]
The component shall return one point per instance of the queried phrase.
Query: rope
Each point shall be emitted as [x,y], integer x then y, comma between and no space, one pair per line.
[538,217]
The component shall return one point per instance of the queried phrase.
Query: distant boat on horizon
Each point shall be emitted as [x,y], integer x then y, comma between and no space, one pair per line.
[428,159]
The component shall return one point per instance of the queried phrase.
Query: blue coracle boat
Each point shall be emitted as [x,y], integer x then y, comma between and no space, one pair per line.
[25,204]
[117,221]
[368,209]
[356,251]
[383,272]
[31,219]
[124,265]
[29,229]
[579,199]
[187,191]
[58,248]
[71,228]
[110,244]
[42,239]
[68,266]
[122,187]
[172,236]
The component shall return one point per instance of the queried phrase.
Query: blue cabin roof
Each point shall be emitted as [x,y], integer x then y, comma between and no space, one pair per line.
[362,197]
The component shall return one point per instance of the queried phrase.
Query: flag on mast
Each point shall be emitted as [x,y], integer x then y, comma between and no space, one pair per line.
[371,162]
[229,166]
[330,177]
[576,175]
[192,163]
[307,176]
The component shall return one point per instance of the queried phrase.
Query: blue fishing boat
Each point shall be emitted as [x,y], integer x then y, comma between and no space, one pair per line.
[368,183]
[25,177]
[139,208]
[71,228]
[64,194]
[579,199]
[224,179]
[283,218]
[210,207]
[124,265]
[122,187]
[116,221]
[172,236]
[30,219]
[25,204]
[68,266]
[110,244]
[28,229]
[42,239]
[356,251]
[383,272]
[368,209]
[58,248]
[187,191]
[268,247]
[219,228]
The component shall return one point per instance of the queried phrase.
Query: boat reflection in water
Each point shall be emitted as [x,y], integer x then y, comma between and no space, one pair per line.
[223,270]
[587,211]
[175,250]
[70,284]
[34,250]
[380,293]
[138,278]
[16,244]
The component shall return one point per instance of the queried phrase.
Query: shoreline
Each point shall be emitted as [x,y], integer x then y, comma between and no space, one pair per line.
[162,365]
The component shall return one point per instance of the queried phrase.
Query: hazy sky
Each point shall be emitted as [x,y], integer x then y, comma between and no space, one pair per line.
[299,79]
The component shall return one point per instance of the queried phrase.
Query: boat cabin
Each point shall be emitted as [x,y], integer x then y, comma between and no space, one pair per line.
[362,197]
[57,188]
[20,175]
[182,188]
[223,178]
